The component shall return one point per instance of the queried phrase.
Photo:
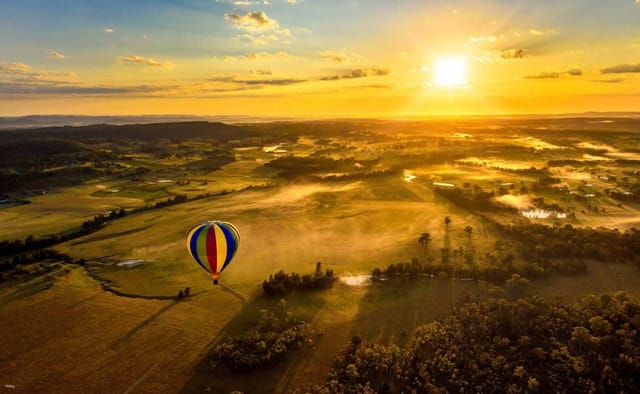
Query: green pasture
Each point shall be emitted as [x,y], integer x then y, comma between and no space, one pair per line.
[600,278]
[65,209]
[59,211]
[145,191]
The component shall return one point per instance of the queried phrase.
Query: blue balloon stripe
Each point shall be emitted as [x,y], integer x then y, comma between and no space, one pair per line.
[193,247]
[232,245]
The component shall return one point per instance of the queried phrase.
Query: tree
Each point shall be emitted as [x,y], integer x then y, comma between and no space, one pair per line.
[447,221]
[517,286]
[469,231]
[424,241]
[445,255]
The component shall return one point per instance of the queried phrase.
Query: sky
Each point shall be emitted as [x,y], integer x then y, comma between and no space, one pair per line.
[318,58]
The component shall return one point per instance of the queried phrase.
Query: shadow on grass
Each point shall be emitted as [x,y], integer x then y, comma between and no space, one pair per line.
[385,313]
[26,288]
[110,236]
[390,311]
[145,323]
[205,378]
[30,285]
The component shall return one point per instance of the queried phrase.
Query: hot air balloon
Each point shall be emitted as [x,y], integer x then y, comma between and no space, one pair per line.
[213,245]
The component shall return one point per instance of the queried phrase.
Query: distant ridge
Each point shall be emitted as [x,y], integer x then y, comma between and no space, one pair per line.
[37,121]
[147,131]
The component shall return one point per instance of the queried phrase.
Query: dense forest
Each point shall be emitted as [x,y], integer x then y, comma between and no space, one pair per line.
[505,345]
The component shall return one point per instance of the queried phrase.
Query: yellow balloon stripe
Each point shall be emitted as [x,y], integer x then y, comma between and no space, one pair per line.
[221,246]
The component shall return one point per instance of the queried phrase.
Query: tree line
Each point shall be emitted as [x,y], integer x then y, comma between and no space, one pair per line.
[538,242]
[18,264]
[31,243]
[282,283]
[531,250]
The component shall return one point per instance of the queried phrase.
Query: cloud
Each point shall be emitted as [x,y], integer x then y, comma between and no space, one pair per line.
[536,32]
[611,80]
[135,59]
[245,2]
[513,54]
[26,72]
[249,2]
[260,72]
[258,27]
[33,84]
[341,57]
[16,68]
[264,56]
[280,82]
[56,55]
[621,69]
[504,54]
[240,80]
[296,1]
[262,39]
[543,75]
[224,78]
[359,73]
[574,72]
[66,88]
[226,90]
[374,86]
[108,30]
[490,38]
[252,21]
[234,78]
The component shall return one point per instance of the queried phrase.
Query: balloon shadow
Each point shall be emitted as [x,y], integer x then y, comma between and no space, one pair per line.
[145,323]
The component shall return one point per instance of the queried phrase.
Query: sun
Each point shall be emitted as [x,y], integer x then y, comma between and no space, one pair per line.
[450,72]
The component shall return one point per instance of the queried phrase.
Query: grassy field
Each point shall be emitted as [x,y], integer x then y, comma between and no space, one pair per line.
[59,211]
[118,344]
[350,227]
[65,209]
[75,337]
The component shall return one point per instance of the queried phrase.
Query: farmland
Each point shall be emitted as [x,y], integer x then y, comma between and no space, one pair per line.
[353,195]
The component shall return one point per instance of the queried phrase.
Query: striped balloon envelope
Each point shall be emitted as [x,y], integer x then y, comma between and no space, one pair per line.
[213,245]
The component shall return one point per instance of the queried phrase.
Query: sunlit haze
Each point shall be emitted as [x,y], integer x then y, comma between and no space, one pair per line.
[320,196]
